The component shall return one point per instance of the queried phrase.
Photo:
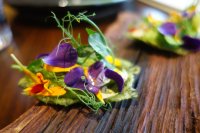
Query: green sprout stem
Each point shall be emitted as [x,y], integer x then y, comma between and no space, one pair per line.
[18,62]
[85,18]
[26,71]
[88,100]
[69,35]
[69,32]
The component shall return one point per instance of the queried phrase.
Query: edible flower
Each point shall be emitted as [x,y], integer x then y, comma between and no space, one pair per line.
[190,12]
[40,86]
[62,59]
[168,28]
[190,43]
[43,88]
[90,78]
[93,79]
[64,56]
[115,61]
[76,73]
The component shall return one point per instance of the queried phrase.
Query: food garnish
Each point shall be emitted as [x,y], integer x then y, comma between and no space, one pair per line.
[179,33]
[76,73]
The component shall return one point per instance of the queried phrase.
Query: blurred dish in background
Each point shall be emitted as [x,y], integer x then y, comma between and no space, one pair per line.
[5,31]
[5,36]
[37,10]
[62,3]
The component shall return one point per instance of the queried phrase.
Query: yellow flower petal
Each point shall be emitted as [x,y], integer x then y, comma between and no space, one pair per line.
[27,91]
[31,75]
[116,62]
[175,17]
[54,91]
[100,97]
[152,20]
[59,69]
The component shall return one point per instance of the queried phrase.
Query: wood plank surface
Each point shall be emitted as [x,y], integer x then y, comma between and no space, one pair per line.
[168,102]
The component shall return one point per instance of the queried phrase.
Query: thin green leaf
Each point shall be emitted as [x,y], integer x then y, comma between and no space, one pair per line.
[90,31]
[172,41]
[96,42]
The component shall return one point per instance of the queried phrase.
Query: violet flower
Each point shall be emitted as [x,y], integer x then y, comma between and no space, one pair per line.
[93,79]
[64,55]
[189,12]
[168,28]
[96,74]
[74,78]
[190,43]
[116,77]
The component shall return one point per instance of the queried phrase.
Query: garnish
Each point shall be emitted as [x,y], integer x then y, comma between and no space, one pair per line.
[179,33]
[75,73]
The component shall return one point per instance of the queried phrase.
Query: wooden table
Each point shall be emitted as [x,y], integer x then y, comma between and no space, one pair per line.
[168,87]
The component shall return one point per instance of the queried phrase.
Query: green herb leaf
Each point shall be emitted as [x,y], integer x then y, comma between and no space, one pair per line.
[36,66]
[172,41]
[66,100]
[96,42]
[90,31]
[195,22]
[25,82]
[84,51]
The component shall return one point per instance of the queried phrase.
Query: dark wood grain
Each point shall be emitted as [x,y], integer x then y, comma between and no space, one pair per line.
[168,102]
[168,88]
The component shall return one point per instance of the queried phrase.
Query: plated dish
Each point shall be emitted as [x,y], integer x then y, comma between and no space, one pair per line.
[75,73]
[37,11]
[179,33]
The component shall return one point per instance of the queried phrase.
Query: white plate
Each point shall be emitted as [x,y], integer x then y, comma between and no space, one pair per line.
[63,3]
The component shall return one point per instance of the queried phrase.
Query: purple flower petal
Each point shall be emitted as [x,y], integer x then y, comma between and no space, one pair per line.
[95,69]
[168,28]
[74,78]
[190,43]
[62,56]
[96,74]
[93,89]
[189,12]
[101,79]
[116,77]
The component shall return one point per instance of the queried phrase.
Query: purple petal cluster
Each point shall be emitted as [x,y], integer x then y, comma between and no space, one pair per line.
[62,56]
[192,44]
[168,28]
[93,81]
[75,78]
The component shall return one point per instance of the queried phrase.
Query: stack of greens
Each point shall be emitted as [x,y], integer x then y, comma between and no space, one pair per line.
[179,33]
[75,73]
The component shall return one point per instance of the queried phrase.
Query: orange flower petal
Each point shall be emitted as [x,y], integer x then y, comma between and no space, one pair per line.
[54,91]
